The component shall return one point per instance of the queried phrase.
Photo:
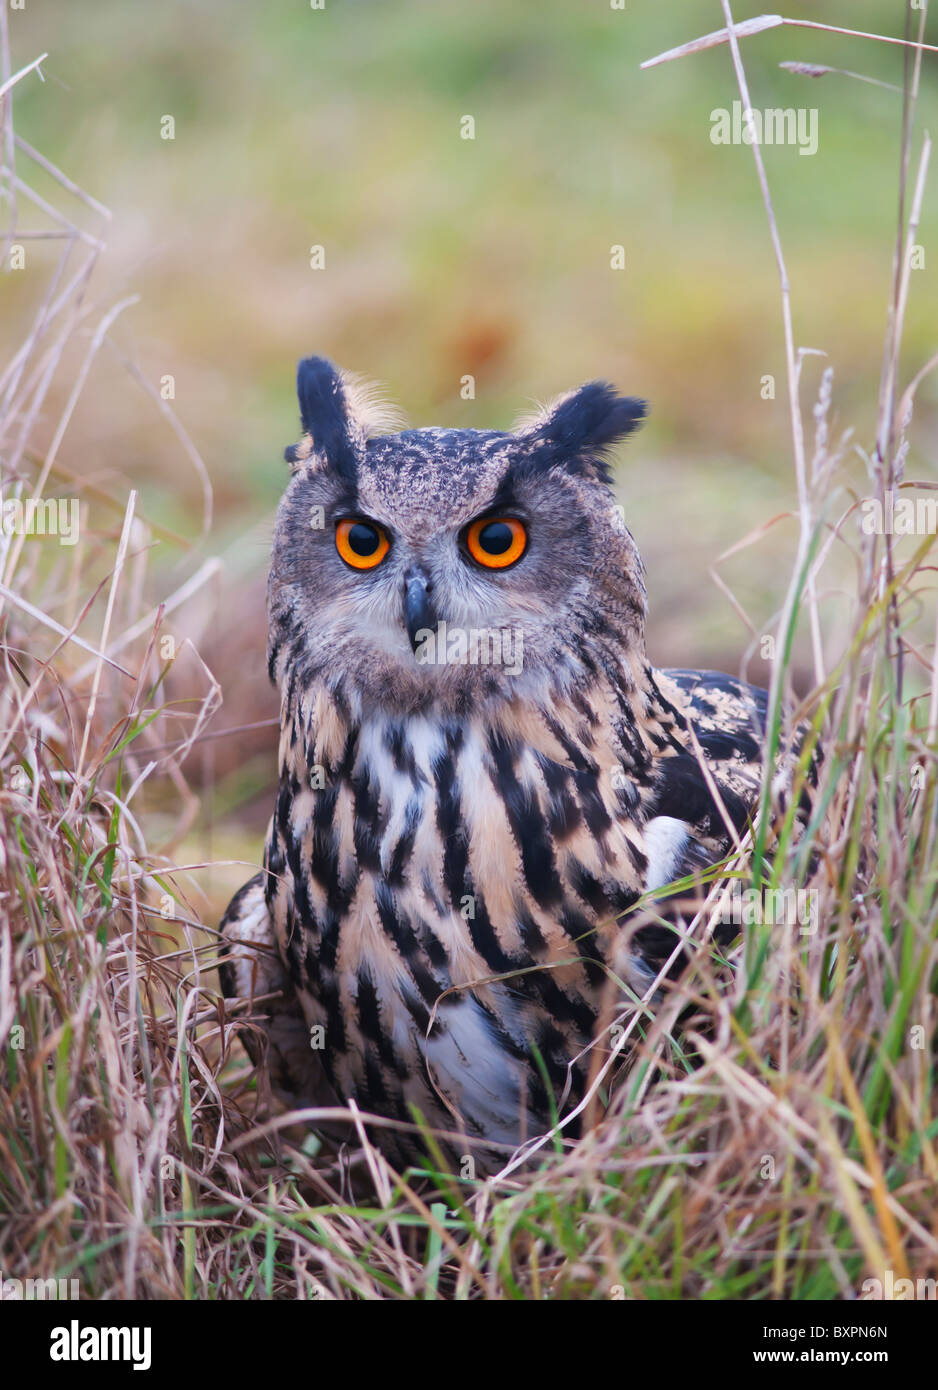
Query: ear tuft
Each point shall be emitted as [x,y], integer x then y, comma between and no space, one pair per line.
[339,413]
[324,417]
[576,430]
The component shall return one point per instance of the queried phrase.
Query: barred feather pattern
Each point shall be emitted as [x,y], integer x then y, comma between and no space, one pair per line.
[447,900]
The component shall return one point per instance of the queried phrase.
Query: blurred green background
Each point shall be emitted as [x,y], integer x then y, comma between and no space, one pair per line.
[490,257]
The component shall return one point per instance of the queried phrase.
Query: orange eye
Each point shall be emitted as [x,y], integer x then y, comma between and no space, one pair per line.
[362,544]
[496,541]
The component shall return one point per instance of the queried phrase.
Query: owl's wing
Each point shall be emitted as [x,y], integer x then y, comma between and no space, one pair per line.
[728,721]
[250,969]
[685,830]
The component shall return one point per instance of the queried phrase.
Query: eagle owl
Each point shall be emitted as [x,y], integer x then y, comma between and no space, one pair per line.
[480,771]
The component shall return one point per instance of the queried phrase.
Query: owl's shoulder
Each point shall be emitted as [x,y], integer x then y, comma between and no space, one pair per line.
[716,778]
[728,714]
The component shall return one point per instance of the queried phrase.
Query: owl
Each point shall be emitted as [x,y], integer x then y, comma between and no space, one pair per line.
[480,772]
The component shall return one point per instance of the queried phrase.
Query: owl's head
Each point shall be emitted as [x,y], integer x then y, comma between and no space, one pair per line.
[439,567]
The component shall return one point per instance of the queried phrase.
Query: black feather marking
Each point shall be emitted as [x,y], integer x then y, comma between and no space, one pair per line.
[578,433]
[405,845]
[575,925]
[527,824]
[369,1018]
[395,741]
[324,865]
[595,813]
[311,962]
[324,415]
[485,940]
[563,810]
[683,793]
[335,1021]
[723,746]
[449,820]
[368,822]
[405,939]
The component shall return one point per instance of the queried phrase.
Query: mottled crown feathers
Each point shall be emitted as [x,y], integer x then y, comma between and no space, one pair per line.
[340,413]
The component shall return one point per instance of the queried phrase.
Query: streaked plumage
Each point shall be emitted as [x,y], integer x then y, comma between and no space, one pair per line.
[454,845]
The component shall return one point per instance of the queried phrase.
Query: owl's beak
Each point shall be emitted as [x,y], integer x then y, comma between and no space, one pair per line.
[419,613]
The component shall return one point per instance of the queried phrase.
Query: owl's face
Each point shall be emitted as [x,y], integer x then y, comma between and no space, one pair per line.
[441,567]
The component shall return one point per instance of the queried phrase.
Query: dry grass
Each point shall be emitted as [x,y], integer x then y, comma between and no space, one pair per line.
[782,1146]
